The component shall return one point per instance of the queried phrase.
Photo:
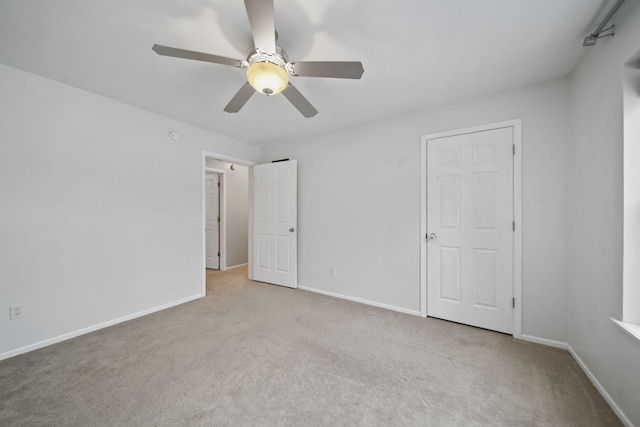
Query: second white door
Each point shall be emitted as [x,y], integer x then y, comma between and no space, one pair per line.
[470,229]
[212,224]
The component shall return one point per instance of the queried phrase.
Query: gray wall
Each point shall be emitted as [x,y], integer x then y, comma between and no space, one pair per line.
[237,199]
[359,203]
[596,211]
[98,209]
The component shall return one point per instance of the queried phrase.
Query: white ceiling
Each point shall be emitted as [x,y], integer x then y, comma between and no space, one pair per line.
[416,54]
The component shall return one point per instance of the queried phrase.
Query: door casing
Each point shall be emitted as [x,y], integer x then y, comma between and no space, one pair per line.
[516,124]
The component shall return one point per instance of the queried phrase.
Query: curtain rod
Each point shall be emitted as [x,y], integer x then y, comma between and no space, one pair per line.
[591,39]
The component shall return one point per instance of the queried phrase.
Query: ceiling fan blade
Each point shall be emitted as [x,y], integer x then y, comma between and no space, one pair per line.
[263,27]
[240,98]
[198,56]
[336,69]
[299,101]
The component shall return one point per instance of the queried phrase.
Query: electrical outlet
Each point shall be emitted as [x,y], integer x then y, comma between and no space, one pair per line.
[332,271]
[16,311]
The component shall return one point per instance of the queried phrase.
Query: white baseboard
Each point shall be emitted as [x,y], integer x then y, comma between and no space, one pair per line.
[625,420]
[234,266]
[563,345]
[362,301]
[93,328]
[545,341]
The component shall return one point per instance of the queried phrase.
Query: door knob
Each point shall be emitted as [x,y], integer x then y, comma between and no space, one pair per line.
[292,229]
[431,236]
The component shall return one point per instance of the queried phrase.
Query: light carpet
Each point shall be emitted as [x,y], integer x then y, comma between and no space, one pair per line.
[252,354]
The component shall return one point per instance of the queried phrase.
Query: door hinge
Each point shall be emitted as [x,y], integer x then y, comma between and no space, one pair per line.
[514,149]
[513,303]
[218,185]
[514,225]
[218,253]
[218,219]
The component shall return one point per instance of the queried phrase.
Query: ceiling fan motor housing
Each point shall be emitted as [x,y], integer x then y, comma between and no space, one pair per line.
[267,73]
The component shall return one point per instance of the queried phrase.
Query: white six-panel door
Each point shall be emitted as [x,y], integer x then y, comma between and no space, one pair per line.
[470,229]
[275,223]
[212,224]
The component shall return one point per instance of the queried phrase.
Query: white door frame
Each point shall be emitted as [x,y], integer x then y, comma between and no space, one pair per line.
[516,124]
[203,186]
[222,209]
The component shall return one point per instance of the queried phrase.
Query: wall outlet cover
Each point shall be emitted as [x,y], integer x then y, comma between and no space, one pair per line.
[16,311]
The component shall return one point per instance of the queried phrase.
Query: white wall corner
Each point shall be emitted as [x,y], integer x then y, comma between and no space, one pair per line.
[93,328]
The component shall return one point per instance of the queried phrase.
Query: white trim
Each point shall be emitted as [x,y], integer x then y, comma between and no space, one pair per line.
[563,345]
[250,225]
[67,336]
[361,301]
[630,328]
[423,228]
[516,124]
[228,159]
[235,266]
[517,235]
[625,420]
[545,341]
[203,216]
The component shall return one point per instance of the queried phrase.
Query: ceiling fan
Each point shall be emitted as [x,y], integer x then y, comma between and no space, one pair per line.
[268,67]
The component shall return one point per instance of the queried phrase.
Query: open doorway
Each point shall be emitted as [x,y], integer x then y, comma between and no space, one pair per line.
[225,217]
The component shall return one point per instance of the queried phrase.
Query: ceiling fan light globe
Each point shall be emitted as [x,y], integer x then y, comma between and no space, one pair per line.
[267,78]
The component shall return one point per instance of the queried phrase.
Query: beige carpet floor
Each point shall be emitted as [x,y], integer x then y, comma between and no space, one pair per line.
[251,354]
